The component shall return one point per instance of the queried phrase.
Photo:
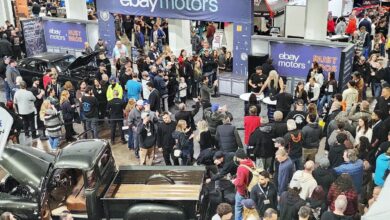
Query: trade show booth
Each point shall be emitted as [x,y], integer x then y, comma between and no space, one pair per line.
[58,35]
[293,58]
[239,13]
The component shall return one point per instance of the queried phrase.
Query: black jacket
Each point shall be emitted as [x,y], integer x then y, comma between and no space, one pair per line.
[228,138]
[261,139]
[227,166]
[164,135]
[115,108]
[206,157]
[268,193]
[154,101]
[67,111]
[208,64]
[294,143]
[383,105]
[90,106]
[279,128]
[284,101]
[188,116]
[312,134]
[336,154]
[324,178]
[299,117]
[206,140]
[147,139]
[289,206]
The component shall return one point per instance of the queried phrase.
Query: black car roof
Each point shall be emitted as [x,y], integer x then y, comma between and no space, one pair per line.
[51,57]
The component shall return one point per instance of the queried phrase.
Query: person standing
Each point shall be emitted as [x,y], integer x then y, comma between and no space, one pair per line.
[284,100]
[286,170]
[340,205]
[115,112]
[147,140]
[165,141]
[39,95]
[227,137]
[139,39]
[67,110]
[114,85]
[205,92]
[311,135]
[134,88]
[306,180]
[264,194]
[154,98]
[90,105]
[161,83]
[134,120]
[241,181]
[53,121]
[184,142]
[294,143]
[210,33]
[10,79]
[257,80]
[195,42]
[24,103]
[100,92]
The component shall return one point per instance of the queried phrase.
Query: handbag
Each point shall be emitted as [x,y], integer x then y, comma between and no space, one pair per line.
[177,153]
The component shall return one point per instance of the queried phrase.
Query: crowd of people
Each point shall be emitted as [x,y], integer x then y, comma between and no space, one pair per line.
[277,171]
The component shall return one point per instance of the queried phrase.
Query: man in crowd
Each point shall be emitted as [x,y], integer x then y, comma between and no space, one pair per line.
[286,170]
[257,80]
[294,141]
[161,83]
[89,104]
[39,95]
[242,181]
[210,33]
[154,98]
[134,119]
[115,112]
[225,165]
[284,100]
[340,207]
[306,180]
[165,140]
[24,103]
[195,42]
[311,134]
[134,88]
[10,82]
[299,114]
[383,102]
[114,85]
[147,140]
[205,92]
[354,167]
[227,136]
[264,194]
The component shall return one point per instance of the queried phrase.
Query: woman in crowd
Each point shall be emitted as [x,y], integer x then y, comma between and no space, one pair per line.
[330,90]
[228,62]
[67,113]
[204,137]
[317,202]
[290,202]
[100,93]
[300,92]
[273,84]
[252,102]
[53,121]
[130,105]
[251,122]
[182,57]
[374,78]
[197,78]
[351,27]
[344,185]
[183,146]
[68,86]
[53,98]
[363,129]
[80,93]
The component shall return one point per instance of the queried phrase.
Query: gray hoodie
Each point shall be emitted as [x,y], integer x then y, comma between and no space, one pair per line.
[10,75]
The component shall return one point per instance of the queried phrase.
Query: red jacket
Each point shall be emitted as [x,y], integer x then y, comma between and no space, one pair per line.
[331,26]
[46,80]
[243,174]
[351,27]
[250,124]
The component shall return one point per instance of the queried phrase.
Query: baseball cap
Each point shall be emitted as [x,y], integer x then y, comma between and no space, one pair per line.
[140,102]
[279,140]
[248,203]
[294,183]
[146,102]
[214,107]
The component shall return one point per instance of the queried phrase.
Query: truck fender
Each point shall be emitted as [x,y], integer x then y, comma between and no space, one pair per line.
[154,211]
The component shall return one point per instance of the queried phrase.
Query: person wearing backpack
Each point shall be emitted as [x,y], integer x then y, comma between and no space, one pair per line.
[294,143]
[242,181]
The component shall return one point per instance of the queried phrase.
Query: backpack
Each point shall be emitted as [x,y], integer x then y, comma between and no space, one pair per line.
[255,173]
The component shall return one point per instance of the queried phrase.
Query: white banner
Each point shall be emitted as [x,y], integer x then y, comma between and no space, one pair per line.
[6,122]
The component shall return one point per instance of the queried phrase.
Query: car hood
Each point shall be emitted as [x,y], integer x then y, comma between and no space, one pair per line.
[82,61]
[27,165]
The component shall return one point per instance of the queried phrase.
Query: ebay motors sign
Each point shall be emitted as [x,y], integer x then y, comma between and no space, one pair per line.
[292,59]
[207,10]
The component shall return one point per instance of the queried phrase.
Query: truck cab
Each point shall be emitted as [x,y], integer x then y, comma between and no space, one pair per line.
[40,185]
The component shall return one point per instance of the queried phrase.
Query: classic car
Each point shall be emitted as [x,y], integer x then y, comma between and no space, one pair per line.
[83,179]
[69,67]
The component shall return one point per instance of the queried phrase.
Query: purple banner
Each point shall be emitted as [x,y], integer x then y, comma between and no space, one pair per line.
[292,59]
[204,10]
[63,34]
[34,36]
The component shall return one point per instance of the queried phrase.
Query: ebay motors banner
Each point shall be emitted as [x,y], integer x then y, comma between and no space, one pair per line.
[205,10]
[63,34]
[292,59]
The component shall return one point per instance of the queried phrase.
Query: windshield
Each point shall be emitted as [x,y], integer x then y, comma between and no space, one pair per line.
[63,64]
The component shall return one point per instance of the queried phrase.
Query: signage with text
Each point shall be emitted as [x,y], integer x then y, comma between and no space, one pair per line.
[292,59]
[62,34]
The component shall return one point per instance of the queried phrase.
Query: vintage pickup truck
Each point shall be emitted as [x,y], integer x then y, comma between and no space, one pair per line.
[83,179]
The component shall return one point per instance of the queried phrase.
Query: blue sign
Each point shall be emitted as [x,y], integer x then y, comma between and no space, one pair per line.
[293,59]
[63,34]
[206,10]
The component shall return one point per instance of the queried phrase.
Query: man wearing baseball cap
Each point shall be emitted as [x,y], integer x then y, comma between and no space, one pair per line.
[225,165]
[134,119]
[242,181]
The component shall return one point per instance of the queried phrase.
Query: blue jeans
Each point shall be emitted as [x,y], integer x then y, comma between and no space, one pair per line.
[376,89]
[136,139]
[130,141]
[186,157]
[324,99]
[298,163]
[238,206]
[54,142]
[8,91]
[91,124]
